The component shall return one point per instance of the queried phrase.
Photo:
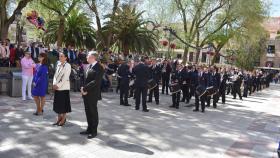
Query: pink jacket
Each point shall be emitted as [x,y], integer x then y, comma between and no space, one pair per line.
[27,66]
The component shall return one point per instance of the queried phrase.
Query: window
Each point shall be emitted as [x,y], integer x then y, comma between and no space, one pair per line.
[269,64]
[271,49]
[204,57]
[217,59]
[191,57]
[179,56]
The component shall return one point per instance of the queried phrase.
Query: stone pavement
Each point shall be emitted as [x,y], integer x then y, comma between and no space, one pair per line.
[249,128]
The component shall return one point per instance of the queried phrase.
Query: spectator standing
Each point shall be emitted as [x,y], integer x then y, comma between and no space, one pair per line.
[27,65]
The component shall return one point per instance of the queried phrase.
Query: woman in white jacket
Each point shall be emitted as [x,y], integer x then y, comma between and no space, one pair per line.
[61,86]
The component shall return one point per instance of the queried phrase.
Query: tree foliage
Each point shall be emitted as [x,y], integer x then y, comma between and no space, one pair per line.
[78,30]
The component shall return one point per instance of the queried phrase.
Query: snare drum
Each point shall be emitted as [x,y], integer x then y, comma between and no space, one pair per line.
[174,88]
[211,91]
[151,84]
[200,91]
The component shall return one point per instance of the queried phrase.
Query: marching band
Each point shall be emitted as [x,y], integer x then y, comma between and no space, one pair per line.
[142,79]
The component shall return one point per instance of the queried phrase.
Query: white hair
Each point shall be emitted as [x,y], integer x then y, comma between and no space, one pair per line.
[93,53]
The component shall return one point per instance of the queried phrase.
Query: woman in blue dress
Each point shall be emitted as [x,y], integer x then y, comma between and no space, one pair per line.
[40,84]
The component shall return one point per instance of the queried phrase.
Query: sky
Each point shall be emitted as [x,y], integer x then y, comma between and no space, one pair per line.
[275,8]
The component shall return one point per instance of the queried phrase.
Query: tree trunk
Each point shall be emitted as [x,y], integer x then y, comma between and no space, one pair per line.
[4,31]
[125,50]
[185,56]
[60,32]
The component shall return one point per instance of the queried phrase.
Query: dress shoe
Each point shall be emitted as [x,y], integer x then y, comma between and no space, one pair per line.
[136,108]
[157,103]
[202,111]
[145,110]
[177,107]
[172,106]
[126,105]
[85,133]
[90,136]
[62,124]
[195,110]
[149,101]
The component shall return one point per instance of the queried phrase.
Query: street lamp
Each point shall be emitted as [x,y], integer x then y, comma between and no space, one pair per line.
[17,19]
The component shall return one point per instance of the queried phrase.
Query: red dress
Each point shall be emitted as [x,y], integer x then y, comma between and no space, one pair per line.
[12,55]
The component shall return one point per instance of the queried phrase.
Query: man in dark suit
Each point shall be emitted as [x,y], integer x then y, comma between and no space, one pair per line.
[216,85]
[156,76]
[91,93]
[140,72]
[166,70]
[202,84]
[223,86]
[124,75]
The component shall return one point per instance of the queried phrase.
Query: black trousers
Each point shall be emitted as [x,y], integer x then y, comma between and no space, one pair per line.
[199,99]
[229,88]
[165,83]
[176,99]
[216,99]
[154,91]
[245,92]
[236,90]
[141,91]
[91,113]
[223,95]
[124,94]
[186,93]
[192,91]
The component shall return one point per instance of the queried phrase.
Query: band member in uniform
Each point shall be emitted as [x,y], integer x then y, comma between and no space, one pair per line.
[247,82]
[237,81]
[223,86]
[156,75]
[193,80]
[166,70]
[202,84]
[124,74]
[216,85]
[185,75]
[209,74]
[141,81]
[91,93]
[176,78]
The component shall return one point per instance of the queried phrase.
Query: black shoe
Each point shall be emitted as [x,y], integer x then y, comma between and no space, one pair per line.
[182,101]
[214,107]
[177,107]
[146,110]
[90,136]
[62,123]
[121,103]
[157,103]
[195,110]
[136,108]
[37,114]
[223,102]
[233,98]
[172,106]
[126,105]
[84,133]
[149,101]
[202,111]
[55,124]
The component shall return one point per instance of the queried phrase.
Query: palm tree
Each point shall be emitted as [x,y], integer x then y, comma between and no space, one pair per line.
[130,32]
[78,30]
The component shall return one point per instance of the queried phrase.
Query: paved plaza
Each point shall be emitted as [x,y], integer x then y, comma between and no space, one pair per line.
[249,128]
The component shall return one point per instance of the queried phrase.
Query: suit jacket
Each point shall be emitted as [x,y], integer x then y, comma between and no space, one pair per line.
[93,81]
[141,71]
[124,73]
[62,75]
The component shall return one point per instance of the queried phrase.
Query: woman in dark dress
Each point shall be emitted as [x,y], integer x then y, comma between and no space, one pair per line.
[40,84]
[61,86]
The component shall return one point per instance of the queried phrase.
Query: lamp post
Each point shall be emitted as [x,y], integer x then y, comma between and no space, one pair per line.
[17,19]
